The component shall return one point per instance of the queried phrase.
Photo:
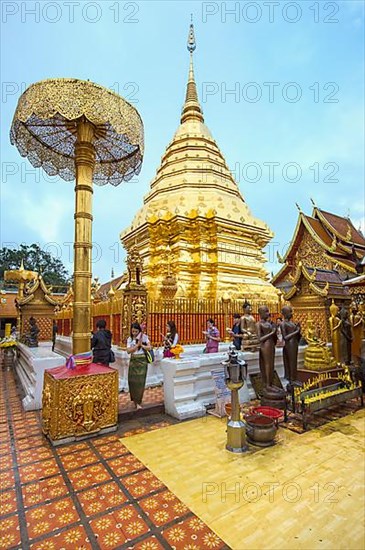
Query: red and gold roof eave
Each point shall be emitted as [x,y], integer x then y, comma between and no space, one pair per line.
[321,215]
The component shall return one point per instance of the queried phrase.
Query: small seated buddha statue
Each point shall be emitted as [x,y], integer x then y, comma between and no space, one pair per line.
[317,355]
[250,340]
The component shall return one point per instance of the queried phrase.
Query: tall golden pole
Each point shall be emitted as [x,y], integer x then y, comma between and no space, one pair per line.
[84,163]
[85,132]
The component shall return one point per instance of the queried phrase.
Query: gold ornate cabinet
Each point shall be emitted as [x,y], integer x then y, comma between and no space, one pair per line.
[79,403]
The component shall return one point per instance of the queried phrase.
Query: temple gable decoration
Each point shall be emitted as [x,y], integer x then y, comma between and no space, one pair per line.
[326,250]
[35,300]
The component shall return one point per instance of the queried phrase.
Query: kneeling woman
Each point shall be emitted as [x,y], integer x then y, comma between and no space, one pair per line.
[137,346]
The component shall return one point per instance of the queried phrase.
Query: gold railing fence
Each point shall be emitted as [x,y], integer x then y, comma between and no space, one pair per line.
[190,316]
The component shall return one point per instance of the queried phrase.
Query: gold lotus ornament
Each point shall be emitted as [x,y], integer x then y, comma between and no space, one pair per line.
[79,130]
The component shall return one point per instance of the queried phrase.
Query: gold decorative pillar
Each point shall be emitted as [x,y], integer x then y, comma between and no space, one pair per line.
[134,310]
[84,162]
[111,296]
[87,133]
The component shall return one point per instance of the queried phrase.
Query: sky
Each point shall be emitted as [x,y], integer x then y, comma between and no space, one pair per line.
[280,83]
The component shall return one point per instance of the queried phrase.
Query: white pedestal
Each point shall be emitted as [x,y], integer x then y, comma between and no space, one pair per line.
[30,366]
[189,386]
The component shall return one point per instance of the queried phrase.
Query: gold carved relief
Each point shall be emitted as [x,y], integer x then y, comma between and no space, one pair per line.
[79,405]
[312,254]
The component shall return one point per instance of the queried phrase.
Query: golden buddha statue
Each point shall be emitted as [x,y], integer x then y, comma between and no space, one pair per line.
[357,324]
[317,355]
[250,340]
[335,327]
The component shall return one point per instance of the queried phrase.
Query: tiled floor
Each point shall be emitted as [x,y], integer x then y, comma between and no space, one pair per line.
[306,492]
[151,396]
[143,487]
[94,494]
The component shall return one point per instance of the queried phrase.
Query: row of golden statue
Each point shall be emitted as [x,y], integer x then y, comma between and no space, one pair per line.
[346,335]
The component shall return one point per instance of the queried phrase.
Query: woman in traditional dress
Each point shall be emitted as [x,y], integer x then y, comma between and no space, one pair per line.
[171,344]
[137,346]
[213,337]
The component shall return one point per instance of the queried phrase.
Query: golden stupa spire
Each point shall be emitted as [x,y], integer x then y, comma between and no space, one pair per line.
[191,108]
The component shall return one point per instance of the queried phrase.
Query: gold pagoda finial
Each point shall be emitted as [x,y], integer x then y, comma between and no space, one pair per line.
[349,233]
[191,109]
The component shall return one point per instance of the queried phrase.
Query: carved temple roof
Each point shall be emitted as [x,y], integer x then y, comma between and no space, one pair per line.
[342,245]
[322,282]
[342,227]
[30,292]
[116,283]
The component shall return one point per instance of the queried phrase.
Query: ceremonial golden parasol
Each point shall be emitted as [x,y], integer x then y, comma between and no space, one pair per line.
[79,130]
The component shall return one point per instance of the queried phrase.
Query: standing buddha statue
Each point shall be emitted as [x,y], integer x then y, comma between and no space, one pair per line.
[250,341]
[291,336]
[357,324]
[345,337]
[335,327]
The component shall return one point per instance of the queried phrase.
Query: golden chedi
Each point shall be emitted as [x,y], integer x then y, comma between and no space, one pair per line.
[195,211]
[317,355]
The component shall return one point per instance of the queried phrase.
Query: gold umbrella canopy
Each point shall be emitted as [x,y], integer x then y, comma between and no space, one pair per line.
[44,129]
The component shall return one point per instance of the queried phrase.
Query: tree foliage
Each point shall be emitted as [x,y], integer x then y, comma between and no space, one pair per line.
[35,259]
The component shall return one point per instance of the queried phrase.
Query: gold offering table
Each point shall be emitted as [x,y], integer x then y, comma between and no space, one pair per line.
[80,402]
[305,375]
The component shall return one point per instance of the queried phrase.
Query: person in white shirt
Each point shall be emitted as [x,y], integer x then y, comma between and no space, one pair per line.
[137,346]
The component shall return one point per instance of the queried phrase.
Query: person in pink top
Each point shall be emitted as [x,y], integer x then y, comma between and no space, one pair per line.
[212,336]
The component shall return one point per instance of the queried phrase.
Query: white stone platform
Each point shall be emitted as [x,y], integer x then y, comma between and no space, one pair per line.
[30,365]
[188,382]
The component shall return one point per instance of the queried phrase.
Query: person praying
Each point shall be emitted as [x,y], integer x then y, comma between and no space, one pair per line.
[213,337]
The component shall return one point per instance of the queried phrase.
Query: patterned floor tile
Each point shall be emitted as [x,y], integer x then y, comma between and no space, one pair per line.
[49,517]
[67,449]
[6,462]
[150,543]
[163,508]
[72,539]
[113,449]
[8,502]
[9,532]
[29,455]
[118,527]
[38,471]
[79,459]
[101,499]
[29,442]
[27,432]
[125,464]
[86,477]
[142,483]
[42,491]
[6,480]
[106,439]
[192,533]
[5,443]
